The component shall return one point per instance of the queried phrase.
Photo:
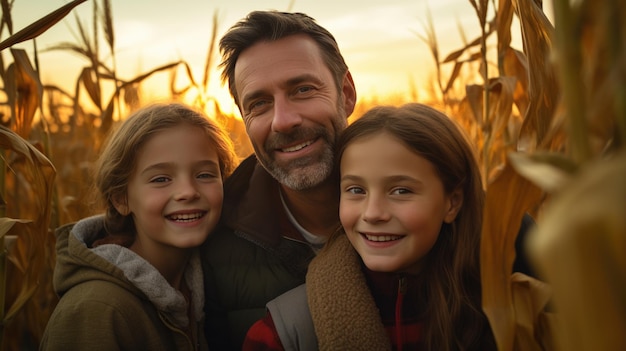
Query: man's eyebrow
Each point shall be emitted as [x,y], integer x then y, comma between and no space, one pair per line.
[306,77]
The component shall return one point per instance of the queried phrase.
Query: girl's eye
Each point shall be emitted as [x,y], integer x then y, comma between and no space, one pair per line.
[400,191]
[161,179]
[355,190]
[207,175]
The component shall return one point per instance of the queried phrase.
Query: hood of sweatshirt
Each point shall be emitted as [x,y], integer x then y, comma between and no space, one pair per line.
[78,262]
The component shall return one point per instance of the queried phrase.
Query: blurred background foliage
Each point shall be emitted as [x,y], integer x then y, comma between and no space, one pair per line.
[548,124]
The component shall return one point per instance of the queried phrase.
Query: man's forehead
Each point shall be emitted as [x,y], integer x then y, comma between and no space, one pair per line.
[266,54]
[280,62]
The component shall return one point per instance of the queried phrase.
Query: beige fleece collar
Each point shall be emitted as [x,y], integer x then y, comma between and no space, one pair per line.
[343,310]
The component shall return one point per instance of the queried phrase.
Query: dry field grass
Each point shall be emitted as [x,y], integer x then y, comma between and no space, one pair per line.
[548,124]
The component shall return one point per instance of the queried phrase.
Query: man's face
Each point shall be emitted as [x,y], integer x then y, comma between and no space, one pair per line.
[291,108]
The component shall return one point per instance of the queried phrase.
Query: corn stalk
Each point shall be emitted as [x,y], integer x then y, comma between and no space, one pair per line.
[23,89]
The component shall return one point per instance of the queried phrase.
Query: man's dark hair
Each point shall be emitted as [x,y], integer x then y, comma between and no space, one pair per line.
[270,26]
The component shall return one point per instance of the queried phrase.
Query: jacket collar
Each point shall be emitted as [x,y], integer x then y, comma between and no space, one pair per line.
[253,207]
[138,271]
[336,271]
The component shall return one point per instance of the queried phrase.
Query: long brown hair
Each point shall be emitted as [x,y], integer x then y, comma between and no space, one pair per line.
[452,294]
[117,160]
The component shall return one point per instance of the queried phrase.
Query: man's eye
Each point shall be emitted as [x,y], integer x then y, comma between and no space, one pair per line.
[257,105]
[304,89]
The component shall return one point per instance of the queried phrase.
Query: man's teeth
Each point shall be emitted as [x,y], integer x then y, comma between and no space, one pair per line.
[297,147]
[186,217]
[383,237]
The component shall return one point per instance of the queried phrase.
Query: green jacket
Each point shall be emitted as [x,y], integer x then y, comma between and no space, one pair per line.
[112,299]
[254,257]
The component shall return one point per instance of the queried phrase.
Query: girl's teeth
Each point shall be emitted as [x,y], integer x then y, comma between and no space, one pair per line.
[186,217]
[382,237]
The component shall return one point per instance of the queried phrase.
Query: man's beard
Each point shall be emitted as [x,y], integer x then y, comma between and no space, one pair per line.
[306,172]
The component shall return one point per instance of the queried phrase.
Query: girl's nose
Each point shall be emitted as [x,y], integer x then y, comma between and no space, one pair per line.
[376,209]
[186,190]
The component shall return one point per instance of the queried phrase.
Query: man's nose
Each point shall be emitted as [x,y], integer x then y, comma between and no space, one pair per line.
[286,116]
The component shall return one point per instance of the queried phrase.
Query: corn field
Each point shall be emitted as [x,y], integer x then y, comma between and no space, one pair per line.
[548,123]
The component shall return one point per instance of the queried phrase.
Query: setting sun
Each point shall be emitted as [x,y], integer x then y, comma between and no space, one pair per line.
[383,42]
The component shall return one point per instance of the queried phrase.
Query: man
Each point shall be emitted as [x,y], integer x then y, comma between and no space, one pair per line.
[295,93]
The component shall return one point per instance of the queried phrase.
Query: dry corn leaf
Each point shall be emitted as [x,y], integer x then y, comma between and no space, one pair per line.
[107,23]
[503,30]
[18,255]
[534,330]
[455,55]
[6,15]
[515,65]
[602,70]
[474,98]
[458,64]
[2,70]
[549,171]
[29,255]
[579,248]
[508,197]
[9,140]
[543,90]
[481,10]
[7,223]
[87,77]
[107,113]
[38,174]
[36,28]
[453,76]
[132,96]
[17,305]
[24,92]
[497,118]
[501,90]
[208,66]
[500,103]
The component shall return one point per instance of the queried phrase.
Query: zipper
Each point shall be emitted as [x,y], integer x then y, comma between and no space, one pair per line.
[402,286]
[180,331]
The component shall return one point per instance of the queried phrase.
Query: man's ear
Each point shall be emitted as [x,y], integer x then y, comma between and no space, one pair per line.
[348,91]
[455,201]
[121,205]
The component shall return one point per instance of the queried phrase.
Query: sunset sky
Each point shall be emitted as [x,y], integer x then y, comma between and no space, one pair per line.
[379,39]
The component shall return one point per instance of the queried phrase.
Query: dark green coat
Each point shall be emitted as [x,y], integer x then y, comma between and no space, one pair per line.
[254,256]
[112,299]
